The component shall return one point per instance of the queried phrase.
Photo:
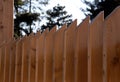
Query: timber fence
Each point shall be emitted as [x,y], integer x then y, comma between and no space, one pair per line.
[89,52]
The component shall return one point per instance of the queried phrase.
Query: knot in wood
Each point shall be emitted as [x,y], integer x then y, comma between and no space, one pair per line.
[115,60]
[1,27]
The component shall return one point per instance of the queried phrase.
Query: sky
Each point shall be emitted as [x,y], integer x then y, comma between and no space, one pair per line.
[71,6]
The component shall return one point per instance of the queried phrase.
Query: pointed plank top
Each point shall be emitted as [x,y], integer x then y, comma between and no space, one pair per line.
[72,26]
[116,11]
[100,16]
[84,22]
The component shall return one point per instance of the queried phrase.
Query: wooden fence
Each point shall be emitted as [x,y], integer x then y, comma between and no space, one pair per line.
[6,20]
[89,52]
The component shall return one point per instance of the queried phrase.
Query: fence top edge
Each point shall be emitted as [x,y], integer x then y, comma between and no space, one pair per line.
[113,12]
[38,33]
[52,31]
[64,27]
[86,20]
[100,15]
[72,26]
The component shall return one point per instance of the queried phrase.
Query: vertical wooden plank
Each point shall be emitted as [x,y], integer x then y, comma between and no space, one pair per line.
[25,59]
[7,62]
[18,60]
[6,28]
[12,61]
[2,63]
[1,19]
[6,25]
[37,35]
[69,47]
[81,52]
[58,54]
[8,19]
[32,60]
[40,45]
[95,50]
[112,47]
[48,55]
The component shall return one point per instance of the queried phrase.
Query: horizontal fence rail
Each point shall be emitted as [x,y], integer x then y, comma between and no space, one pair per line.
[89,52]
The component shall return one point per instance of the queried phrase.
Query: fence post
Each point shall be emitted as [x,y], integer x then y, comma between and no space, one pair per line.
[6,20]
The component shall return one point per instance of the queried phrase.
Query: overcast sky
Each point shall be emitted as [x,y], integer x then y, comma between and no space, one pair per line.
[72,7]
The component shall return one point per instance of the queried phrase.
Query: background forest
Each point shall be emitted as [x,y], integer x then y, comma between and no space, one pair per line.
[29,15]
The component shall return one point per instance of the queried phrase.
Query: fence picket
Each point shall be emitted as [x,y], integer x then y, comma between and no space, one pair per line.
[81,52]
[48,55]
[95,49]
[40,43]
[2,64]
[12,61]
[18,61]
[112,47]
[32,60]
[25,59]
[58,55]
[69,70]
[7,62]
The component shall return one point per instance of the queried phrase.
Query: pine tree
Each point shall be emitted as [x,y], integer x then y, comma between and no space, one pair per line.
[56,17]
[25,15]
[103,5]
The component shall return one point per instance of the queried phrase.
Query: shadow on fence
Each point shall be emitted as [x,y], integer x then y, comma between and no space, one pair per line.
[89,52]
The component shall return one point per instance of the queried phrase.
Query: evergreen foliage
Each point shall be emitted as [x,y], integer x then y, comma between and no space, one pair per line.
[25,15]
[104,5]
[56,17]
